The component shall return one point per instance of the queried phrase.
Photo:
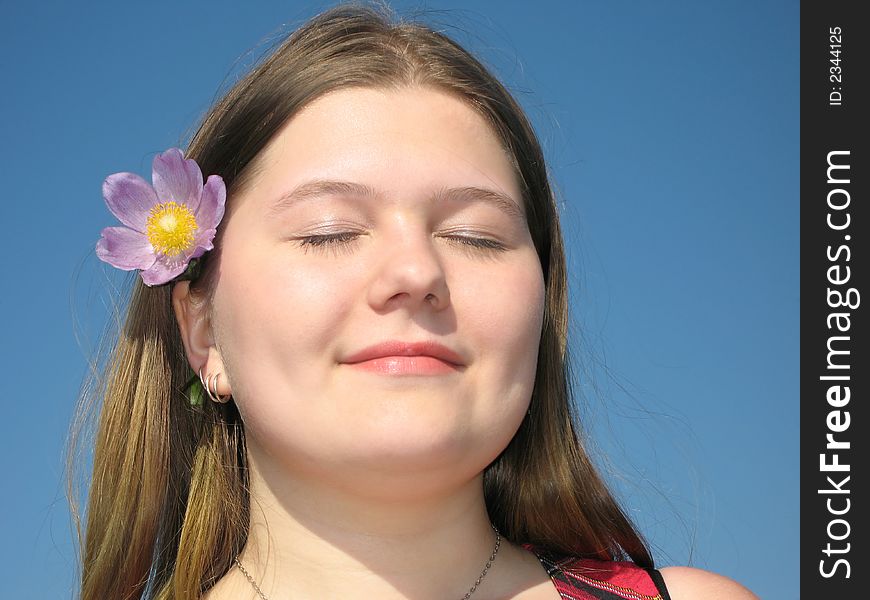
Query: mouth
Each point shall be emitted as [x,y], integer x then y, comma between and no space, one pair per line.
[407,358]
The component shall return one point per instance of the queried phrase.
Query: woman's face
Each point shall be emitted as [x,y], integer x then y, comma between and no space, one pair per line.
[420,237]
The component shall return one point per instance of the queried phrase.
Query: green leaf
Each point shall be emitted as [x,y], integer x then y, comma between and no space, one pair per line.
[195,393]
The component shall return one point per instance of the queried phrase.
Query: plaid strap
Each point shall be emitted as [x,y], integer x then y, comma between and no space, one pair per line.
[590,579]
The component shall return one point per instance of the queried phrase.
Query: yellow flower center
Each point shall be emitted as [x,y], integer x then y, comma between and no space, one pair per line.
[171,228]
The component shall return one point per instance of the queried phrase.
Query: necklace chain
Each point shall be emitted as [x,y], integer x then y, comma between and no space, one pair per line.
[251,579]
[465,597]
[486,566]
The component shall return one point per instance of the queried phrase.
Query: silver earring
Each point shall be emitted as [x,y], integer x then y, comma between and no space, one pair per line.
[207,382]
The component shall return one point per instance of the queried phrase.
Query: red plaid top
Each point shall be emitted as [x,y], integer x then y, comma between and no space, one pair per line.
[589,579]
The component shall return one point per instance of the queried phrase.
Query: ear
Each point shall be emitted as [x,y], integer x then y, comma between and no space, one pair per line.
[191,312]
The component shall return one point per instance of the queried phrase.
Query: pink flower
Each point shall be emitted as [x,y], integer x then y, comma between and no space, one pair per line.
[167,225]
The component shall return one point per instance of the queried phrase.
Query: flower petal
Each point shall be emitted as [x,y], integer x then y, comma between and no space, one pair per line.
[161,273]
[125,249]
[203,243]
[130,198]
[177,178]
[211,207]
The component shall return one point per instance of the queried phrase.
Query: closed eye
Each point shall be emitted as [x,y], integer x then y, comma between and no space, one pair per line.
[477,242]
[329,241]
[341,240]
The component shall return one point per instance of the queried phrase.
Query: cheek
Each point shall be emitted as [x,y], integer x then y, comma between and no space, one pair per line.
[505,321]
[504,314]
[506,308]
[276,323]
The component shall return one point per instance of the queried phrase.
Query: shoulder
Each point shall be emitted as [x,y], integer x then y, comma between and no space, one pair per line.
[686,583]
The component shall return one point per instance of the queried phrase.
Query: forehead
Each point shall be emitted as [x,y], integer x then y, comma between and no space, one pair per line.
[400,141]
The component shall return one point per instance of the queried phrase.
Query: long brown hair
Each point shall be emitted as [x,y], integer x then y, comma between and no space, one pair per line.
[168,502]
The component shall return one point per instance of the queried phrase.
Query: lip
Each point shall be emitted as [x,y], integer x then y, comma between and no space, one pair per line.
[399,358]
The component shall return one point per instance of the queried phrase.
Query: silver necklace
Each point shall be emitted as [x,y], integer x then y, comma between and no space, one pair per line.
[465,597]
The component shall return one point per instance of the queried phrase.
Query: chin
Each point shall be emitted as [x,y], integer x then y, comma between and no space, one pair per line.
[405,465]
[414,457]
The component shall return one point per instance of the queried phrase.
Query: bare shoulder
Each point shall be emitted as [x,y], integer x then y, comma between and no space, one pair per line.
[687,583]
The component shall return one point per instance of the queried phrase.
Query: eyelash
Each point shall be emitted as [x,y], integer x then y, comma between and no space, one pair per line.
[336,243]
[339,241]
[481,243]
[331,239]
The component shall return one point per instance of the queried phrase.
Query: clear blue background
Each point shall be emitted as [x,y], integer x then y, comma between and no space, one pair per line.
[671,130]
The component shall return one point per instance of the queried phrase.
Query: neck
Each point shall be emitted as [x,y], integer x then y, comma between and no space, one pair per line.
[308,539]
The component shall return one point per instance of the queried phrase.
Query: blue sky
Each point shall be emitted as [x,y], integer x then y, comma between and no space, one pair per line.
[671,130]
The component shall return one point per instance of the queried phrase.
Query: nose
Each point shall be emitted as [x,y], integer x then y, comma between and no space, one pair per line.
[409,273]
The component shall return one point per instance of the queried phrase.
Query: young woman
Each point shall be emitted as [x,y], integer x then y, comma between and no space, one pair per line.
[344,373]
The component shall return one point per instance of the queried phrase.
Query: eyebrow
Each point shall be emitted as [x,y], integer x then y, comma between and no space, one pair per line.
[324,187]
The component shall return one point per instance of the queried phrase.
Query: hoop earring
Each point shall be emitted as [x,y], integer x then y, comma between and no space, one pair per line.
[207,382]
